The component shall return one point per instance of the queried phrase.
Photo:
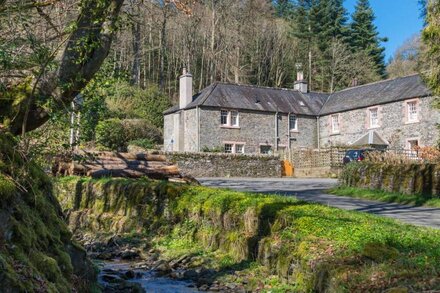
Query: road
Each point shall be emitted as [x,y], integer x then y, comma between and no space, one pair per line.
[314,190]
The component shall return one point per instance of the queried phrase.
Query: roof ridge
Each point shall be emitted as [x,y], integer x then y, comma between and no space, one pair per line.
[257,86]
[376,82]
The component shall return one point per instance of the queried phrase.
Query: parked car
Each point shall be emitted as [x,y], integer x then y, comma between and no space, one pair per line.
[354,156]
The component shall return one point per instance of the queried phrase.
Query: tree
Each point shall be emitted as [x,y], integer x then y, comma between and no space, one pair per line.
[364,35]
[56,82]
[431,38]
[406,59]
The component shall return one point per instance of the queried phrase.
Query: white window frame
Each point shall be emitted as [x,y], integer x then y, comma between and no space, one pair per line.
[232,148]
[370,116]
[334,129]
[237,116]
[228,114]
[296,123]
[412,114]
[224,114]
[236,148]
[234,145]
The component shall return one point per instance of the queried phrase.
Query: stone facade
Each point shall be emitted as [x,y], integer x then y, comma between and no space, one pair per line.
[393,125]
[226,165]
[373,114]
[255,129]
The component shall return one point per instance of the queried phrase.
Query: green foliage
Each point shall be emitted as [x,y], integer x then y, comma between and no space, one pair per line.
[130,102]
[330,249]
[385,196]
[364,35]
[116,134]
[36,254]
[110,134]
[144,143]
[7,188]
[431,38]
[218,149]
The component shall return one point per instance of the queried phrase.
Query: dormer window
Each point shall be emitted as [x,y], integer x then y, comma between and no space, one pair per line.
[229,118]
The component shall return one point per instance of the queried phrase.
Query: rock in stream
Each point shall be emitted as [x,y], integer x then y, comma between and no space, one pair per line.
[119,276]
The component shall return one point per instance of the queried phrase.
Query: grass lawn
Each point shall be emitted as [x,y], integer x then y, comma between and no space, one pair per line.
[379,195]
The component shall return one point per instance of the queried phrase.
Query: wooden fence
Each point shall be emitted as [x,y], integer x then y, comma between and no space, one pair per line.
[314,158]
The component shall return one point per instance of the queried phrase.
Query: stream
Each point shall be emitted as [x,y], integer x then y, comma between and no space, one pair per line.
[114,274]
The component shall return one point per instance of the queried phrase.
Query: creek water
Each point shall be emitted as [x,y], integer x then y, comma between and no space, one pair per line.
[148,279]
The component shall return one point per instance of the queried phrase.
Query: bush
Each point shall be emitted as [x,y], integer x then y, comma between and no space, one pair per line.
[114,134]
[141,129]
[111,134]
[144,143]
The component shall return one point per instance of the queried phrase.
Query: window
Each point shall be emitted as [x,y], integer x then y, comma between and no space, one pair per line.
[234,148]
[413,144]
[239,148]
[374,118]
[335,123]
[229,147]
[229,118]
[234,118]
[293,123]
[412,111]
[265,149]
[224,117]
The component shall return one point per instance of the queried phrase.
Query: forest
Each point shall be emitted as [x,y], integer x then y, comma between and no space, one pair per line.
[124,57]
[103,72]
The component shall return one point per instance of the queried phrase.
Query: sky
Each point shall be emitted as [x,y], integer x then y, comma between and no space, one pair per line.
[398,20]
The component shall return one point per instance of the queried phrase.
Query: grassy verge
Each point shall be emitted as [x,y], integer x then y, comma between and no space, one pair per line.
[275,242]
[391,197]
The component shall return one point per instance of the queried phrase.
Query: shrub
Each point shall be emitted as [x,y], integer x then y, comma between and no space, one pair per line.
[141,129]
[111,134]
[114,134]
[144,143]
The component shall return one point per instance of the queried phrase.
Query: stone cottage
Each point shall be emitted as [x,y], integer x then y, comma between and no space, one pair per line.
[239,118]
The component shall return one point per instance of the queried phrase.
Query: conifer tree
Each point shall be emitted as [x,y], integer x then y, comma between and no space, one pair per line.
[431,38]
[365,37]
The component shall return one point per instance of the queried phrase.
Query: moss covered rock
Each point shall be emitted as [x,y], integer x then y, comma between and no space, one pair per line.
[37,253]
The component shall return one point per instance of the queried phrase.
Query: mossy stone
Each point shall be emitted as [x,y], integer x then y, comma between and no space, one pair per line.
[397,290]
[379,252]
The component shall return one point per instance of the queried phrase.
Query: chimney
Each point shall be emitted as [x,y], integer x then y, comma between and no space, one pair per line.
[186,91]
[300,83]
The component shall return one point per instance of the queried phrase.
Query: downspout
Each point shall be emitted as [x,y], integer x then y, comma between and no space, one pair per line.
[198,128]
[288,130]
[276,131]
[319,132]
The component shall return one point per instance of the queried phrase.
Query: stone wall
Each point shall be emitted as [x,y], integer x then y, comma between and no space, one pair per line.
[226,165]
[421,179]
[393,125]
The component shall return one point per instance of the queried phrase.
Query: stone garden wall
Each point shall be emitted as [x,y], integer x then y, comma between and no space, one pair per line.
[422,179]
[226,165]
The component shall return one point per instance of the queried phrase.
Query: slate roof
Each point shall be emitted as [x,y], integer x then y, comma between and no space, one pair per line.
[370,138]
[257,98]
[247,97]
[377,93]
